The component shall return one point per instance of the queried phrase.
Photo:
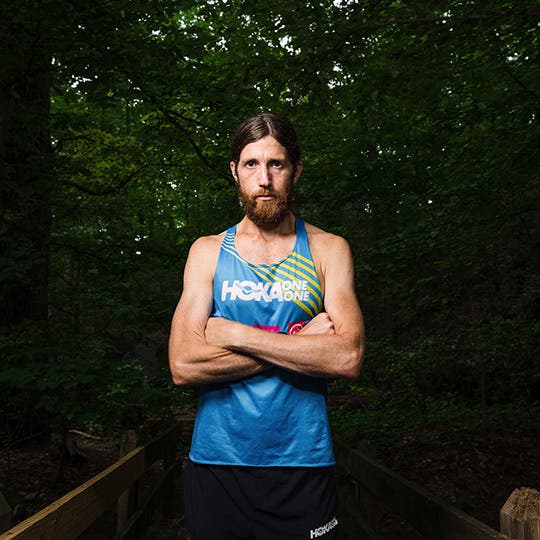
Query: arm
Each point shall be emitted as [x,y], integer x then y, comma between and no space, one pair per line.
[334,353]
[192,360]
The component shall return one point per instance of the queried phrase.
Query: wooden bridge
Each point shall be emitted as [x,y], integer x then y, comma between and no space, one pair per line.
[366,488]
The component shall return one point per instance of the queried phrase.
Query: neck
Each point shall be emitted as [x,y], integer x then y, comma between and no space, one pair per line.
[261,245]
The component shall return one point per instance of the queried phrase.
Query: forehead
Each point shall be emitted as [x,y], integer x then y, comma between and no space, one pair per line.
[267,147]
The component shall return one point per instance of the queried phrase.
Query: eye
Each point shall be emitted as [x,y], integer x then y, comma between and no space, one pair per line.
[250,164]
[277,164]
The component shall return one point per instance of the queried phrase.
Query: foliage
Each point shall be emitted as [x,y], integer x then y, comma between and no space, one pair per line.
[419,131]
[385,426]
[86,386]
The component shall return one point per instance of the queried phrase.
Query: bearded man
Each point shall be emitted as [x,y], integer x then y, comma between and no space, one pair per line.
[268,313]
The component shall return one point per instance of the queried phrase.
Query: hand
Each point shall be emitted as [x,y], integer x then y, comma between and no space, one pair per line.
[320,324]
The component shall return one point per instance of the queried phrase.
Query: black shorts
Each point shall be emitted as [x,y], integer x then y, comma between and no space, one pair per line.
[260,503]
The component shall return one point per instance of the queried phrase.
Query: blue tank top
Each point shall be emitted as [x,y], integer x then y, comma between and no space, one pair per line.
[278,417]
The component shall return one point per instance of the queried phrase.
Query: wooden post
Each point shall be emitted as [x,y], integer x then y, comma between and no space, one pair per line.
[127,502]
[169,456]
[352,522]
[520,515]
[5,514]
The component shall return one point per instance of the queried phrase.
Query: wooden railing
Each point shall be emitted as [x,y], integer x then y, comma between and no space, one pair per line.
[69,516]
[365,487]
[368,489]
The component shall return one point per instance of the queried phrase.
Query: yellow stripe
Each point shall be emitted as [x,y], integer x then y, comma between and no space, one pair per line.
[305,308]
[268,272]
[309,267]
[316,294]
[297,302]
[316,284]
[302,274]
[315,306]
[302,258]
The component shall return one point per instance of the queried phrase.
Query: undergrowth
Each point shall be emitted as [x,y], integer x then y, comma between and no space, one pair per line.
[383,423]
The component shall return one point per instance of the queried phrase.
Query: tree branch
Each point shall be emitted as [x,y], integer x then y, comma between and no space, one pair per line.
[531,12]
[110,190]
[198,151]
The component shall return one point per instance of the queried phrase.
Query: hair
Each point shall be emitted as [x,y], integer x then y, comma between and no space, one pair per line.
[256,127]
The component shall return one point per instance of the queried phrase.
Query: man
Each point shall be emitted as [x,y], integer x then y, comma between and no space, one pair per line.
[267,314]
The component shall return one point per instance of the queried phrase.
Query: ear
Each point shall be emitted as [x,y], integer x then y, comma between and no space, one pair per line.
[232,165]
[298,172]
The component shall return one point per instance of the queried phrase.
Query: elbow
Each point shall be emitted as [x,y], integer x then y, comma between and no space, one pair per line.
[182,378]
[352,364]
[186,364]
[182,364]
[180,372]
[179,380]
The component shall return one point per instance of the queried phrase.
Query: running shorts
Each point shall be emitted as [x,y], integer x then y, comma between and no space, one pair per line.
[260,503]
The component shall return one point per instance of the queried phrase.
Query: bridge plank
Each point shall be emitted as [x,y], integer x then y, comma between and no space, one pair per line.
[428,514]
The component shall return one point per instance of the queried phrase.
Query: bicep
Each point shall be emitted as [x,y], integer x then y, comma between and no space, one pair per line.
[340,300]
[195,304]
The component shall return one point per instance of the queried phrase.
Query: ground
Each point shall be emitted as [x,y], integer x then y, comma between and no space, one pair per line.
[473,470]
[28,473]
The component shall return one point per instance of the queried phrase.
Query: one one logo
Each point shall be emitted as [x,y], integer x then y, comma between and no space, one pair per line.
[295,327]
[327,527]
[282,291]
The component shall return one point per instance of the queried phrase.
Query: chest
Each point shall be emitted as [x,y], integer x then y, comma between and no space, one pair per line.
[271,294]
[257,251]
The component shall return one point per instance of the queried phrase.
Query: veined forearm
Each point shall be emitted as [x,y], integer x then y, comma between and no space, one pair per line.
[328,355]
[204,363]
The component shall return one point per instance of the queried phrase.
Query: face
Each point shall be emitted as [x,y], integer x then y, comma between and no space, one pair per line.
[265,179]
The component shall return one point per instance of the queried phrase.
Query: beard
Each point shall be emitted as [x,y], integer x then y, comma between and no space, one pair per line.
[267,213]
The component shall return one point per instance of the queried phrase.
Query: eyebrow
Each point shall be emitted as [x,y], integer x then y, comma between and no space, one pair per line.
[280,158]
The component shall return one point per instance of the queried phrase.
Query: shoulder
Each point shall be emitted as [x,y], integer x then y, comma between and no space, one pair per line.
[207,244]
[331,255]
[324,244]
[204,253]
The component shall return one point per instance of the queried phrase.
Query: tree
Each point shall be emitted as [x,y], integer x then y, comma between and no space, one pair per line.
[419,134]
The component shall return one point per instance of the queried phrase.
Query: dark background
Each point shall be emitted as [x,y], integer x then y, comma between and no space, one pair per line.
[420,136]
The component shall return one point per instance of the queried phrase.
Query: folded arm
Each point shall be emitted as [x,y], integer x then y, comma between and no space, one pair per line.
[335,353]
[192,360]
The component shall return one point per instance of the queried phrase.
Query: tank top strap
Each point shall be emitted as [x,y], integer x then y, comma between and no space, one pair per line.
[230,233]
[302,244]
[227,244]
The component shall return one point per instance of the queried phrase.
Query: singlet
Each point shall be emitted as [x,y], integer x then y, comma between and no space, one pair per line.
[277,417]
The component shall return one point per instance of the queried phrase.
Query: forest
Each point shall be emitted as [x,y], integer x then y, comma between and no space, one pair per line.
[419,130]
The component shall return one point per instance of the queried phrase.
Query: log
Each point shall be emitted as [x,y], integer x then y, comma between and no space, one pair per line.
[520,515]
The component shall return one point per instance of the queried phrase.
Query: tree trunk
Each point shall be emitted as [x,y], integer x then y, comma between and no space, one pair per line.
[26,167]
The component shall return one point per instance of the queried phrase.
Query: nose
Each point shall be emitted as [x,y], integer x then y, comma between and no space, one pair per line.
[264,177]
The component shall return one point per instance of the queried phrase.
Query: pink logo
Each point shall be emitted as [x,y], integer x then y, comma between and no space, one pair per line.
[295,327]
[267,328]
